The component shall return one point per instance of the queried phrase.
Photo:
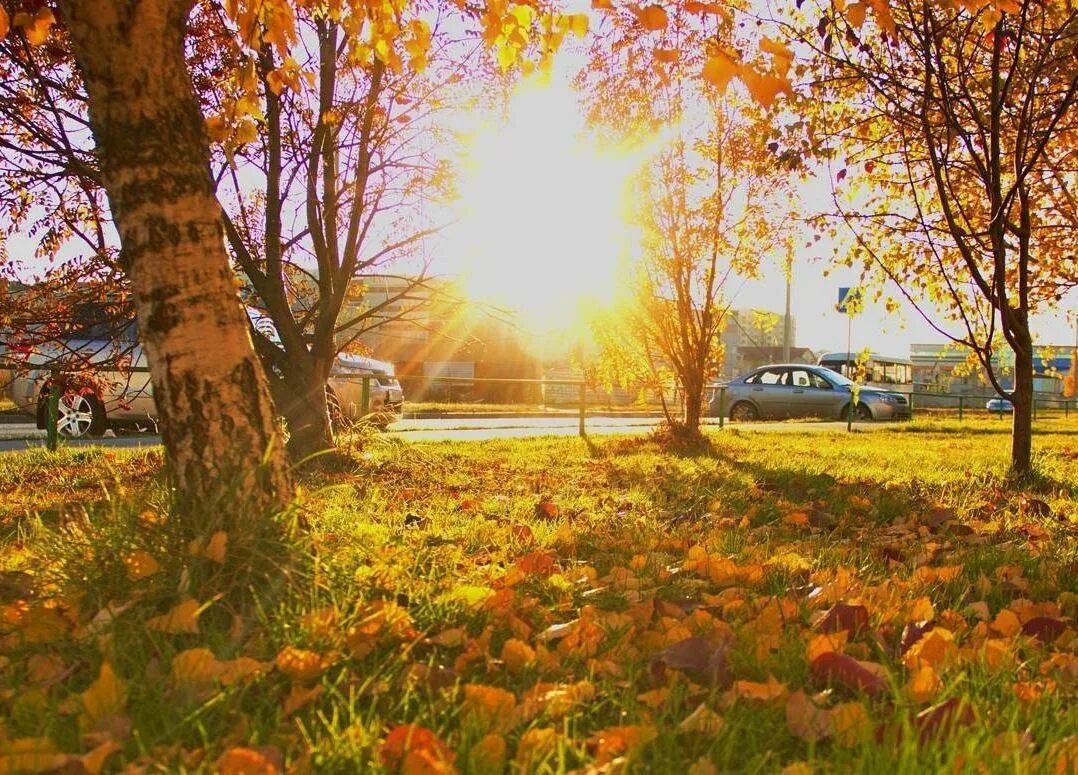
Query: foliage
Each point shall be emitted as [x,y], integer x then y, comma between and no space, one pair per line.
[809,602]
[955,125]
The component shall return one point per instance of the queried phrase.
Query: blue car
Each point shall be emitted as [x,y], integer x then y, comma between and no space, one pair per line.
[999,405]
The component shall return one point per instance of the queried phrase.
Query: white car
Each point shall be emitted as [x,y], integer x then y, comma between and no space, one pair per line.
[113,396]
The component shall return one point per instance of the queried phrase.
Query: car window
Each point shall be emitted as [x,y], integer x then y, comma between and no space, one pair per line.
[816,381]
[799,378]
[767,377]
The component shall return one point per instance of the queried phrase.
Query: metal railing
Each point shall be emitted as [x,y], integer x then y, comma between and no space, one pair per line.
[1040,403]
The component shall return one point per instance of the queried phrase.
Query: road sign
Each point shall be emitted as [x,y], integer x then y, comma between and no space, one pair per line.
[847,296]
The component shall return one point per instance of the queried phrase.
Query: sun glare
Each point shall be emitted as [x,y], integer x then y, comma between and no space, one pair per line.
[542,224]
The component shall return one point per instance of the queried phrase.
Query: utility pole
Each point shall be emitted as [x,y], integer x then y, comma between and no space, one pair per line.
[786,326]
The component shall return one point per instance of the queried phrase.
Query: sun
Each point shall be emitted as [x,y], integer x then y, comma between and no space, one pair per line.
[542,225]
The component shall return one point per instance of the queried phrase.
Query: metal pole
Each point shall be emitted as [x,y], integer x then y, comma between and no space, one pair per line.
[722,405]
[961,402]
[52,430]
[365,397]
[583,403]
[911,404]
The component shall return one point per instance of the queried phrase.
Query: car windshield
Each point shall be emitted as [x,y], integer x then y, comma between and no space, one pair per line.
[837,379]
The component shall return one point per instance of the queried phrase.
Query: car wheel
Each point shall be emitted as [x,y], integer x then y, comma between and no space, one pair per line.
[80,415]
[743,411]
[863,413]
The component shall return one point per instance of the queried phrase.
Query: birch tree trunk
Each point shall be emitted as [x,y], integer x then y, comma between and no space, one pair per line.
[217,419]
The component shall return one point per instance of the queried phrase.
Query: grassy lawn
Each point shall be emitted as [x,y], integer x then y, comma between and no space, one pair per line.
[446,407]
[874,602]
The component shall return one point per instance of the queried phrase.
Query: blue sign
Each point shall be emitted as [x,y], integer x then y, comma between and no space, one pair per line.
[846,296]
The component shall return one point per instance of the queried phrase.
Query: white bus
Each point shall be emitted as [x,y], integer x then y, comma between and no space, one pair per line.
[880,371]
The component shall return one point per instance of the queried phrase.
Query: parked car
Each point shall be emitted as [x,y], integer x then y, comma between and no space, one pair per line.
[999,405]
[112,396]
[799,390]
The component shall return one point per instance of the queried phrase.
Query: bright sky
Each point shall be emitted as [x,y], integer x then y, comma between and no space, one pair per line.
[541,226]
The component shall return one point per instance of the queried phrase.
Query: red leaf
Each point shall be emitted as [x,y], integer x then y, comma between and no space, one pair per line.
[940,718]
[846,671]
[695,656]
[843,616]
[1044,628]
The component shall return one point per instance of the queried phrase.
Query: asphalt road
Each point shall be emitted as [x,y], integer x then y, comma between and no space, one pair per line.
[15,437]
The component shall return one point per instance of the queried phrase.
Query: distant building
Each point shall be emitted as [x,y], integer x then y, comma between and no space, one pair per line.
[753,337]
[945,368]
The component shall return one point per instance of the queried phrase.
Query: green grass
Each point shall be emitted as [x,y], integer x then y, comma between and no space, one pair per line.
[417,567]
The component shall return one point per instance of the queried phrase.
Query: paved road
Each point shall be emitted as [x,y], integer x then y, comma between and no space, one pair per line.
[15,437]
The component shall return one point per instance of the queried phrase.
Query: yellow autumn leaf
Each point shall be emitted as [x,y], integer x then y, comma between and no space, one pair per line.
[140,565]
[921,610]
[488,755]
[195,667]
[719,69]
[29,754]
[488,708]
[850,722]
[94,761]
[1006,623]
[216,547]
[35,28]
[106,696]
[517,655]
[301,664]
[653,18]
[924,684]
[824,643]
[934,648]
[181,619]
[765,88]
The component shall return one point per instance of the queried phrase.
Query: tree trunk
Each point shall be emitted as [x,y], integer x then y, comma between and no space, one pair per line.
[300,396]
[1022,400]
[694,395]
[223,447]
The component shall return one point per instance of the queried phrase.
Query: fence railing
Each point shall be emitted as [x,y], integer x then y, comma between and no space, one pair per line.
[963,402]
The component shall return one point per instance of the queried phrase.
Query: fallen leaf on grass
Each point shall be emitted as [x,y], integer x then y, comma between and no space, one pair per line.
[181,619]
[534,746]
[703,720]
[141,565]
[850,673]
[807,720]
[106,696]
[843,617]
[410,737]
[819,645]
[29,754]
[1044,628]
[752,690]
[609,743]
[245,761]
[1006,623]
[517,655]
[941,719]
[94,761]
[301,664]
[488,755]
[698,658]
[924,684]
[488,708]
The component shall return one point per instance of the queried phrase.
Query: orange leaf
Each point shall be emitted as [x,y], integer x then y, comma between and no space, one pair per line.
[35,28]
[5,23]
[94,761]
[488,707]
[215,548]
[855,14]
[182,618]
[763,87]
[934,648]
[141,565]
[245,761]
[826,643]
[653,18]
[609,743]
[104,697]
[411,737]
[301,664]
[517,655]
[719,69]
[488,754]
[1006,623]
[667,55]
[924,684]
[806,720]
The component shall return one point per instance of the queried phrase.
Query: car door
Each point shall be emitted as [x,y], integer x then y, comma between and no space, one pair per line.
[810,395]
[767,390]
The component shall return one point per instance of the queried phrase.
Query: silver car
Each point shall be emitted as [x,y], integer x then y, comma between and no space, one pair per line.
[113,396]
[799,390]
